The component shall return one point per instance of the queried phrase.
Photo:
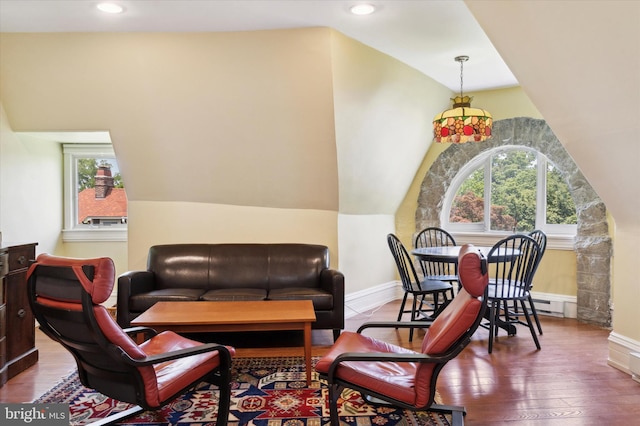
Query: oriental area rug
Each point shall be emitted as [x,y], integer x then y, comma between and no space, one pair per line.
[265,392]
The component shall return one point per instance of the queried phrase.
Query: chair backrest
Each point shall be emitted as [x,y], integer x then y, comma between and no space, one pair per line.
[517,258]
[540,238]
[65,296]
[404,263]
[436,237]
[451,331]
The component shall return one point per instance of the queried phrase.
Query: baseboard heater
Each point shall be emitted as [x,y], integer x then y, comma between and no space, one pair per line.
[549,307]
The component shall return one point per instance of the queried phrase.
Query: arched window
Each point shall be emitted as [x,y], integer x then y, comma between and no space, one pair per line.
[509,189]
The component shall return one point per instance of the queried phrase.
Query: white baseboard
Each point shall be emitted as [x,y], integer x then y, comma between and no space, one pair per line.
[620,350]
[362,301]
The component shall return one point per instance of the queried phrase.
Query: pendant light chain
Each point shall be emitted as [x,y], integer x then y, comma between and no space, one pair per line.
[462,60]
[461,73]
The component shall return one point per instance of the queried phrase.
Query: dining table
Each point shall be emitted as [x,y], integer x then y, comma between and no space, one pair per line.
[450,254]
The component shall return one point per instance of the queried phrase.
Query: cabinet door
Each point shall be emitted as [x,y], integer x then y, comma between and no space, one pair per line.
[19,316]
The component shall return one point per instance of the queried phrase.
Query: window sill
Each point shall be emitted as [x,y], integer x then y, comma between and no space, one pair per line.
[554,242]
[94,235]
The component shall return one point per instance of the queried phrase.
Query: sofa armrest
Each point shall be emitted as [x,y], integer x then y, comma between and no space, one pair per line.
[332,281]
[129,284]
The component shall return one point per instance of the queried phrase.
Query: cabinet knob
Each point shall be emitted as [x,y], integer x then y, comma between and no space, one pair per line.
[22,260]
[21,313]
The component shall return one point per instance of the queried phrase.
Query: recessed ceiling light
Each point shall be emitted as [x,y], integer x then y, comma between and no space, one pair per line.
[110,7]
[363,9]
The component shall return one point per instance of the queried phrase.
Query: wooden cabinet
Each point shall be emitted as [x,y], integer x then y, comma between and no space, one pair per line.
[17,325]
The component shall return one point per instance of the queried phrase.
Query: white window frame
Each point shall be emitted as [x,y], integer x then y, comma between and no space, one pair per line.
[559,236]
[74,231]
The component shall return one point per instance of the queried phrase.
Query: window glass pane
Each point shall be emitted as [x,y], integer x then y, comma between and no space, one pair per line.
[468,204]
[102,200]
[513,191]
[560,207]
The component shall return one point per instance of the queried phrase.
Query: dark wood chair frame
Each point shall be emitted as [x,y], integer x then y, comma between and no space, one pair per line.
[101,359]
[336,384]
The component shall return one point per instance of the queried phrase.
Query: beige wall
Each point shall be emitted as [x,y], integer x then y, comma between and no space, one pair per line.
[202,121]
[381,137]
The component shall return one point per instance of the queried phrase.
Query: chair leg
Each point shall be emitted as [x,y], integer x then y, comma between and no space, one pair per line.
[492,321]
[224,384]
[413,317]
[334,393]
[530,323]
[404,300]
[535,314]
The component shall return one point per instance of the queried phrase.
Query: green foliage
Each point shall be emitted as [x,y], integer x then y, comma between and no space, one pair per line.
[513,194]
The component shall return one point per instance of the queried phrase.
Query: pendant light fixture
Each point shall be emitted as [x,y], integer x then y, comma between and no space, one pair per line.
[462,123]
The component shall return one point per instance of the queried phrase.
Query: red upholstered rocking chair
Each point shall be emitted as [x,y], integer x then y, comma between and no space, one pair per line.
[400,376]
[66,295]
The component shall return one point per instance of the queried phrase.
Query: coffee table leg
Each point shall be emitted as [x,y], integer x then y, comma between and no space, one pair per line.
[307,350]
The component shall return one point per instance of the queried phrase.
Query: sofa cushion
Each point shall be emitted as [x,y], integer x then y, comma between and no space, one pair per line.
[179,265]
[231,294]
[322,301]
[143,301]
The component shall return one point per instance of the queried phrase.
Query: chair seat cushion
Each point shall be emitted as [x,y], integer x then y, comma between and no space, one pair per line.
[232,294]
[143,301]
[434,285]
[506,291]
[395,379]
[447,278]
[322,300]
[173,376]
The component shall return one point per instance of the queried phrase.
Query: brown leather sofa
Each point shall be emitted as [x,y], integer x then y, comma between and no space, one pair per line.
[224,272]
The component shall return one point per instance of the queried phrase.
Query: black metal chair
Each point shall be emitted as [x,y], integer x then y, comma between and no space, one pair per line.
[402,377]
[509,282]
[415,287]
[66,294]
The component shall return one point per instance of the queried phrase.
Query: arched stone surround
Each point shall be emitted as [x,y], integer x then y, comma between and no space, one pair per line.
[592,243]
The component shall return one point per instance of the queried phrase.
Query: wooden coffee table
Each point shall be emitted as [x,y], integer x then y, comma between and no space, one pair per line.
[205,317]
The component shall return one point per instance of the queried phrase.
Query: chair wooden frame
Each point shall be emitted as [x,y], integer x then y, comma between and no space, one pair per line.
[65,296]
[412,285]
[353,354]
[510,282]
[437,237]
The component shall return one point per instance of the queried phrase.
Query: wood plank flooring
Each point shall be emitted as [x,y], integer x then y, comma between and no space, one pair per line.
[568,382]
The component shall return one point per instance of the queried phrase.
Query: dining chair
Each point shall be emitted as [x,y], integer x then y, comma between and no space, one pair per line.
[66,297]
[402,377]
[412,285]
[540,238]
[437,237]
[514,262]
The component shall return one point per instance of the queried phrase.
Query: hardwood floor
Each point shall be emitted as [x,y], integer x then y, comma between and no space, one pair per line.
[568,382]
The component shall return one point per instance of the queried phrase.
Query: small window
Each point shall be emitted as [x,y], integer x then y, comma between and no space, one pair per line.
[95,197]
[510,190]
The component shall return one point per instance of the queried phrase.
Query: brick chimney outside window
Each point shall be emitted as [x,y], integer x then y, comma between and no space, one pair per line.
[104,181]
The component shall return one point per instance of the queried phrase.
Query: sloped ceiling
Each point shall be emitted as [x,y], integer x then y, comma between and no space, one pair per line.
[580,65]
